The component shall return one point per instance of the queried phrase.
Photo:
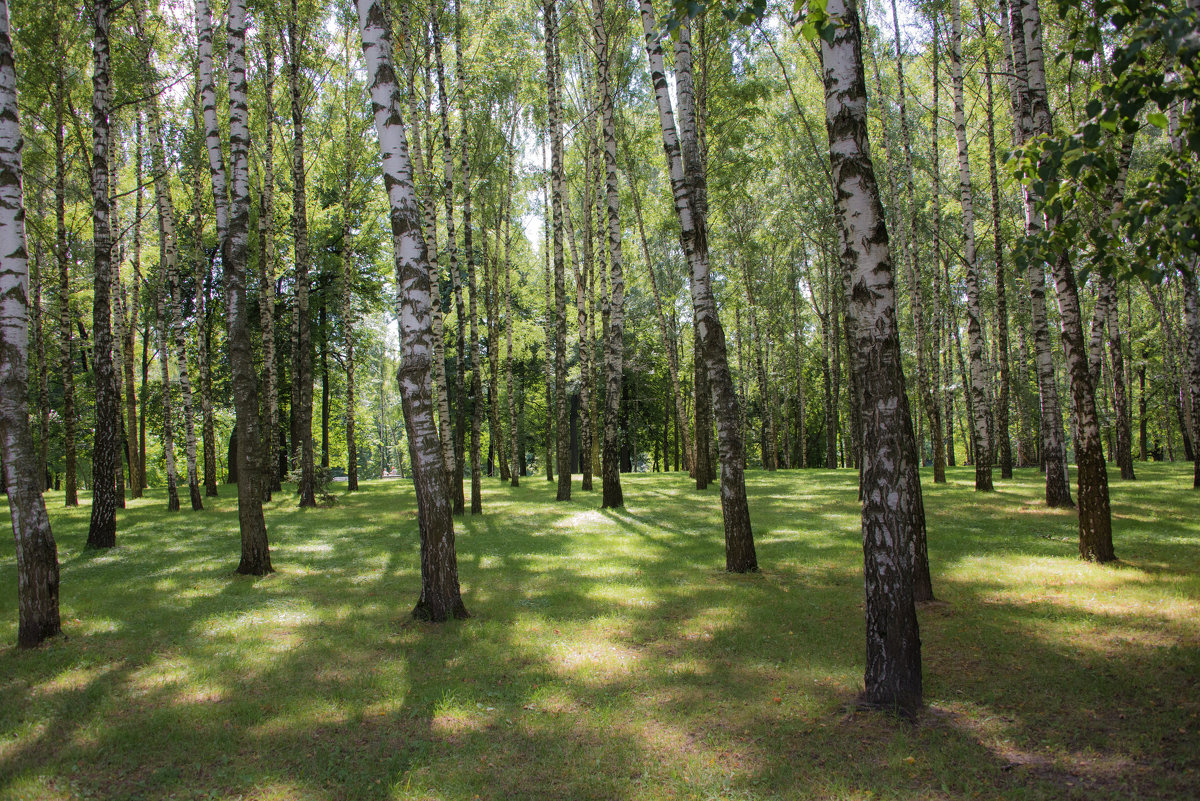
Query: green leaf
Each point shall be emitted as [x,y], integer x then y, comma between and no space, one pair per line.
[1157,119]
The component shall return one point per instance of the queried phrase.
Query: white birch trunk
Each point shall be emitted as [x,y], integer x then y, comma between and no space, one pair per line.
[440,595]
[37,554]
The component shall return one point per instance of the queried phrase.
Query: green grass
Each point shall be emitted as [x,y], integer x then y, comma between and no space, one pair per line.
[609,656]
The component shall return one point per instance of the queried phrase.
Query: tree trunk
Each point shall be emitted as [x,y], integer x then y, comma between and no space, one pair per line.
[927,384]
[347,311]
[614,345]
[668,338]
[1057,489]
[978,379]
[266,285]
[517,450]
[473,355]
[440,595]
[70,490]
[37,554]
[460,392]
[583,272]
[256,556]
[562,422]
[691,207]
[1095,518]
[891,483]
[424,177]
[302,369]
[106,437]
[43,373]
[1002,400]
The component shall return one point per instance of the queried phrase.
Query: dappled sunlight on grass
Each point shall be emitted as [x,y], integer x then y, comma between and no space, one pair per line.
[608,655]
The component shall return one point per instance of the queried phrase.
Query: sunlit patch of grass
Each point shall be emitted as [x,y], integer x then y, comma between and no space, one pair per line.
[608,655]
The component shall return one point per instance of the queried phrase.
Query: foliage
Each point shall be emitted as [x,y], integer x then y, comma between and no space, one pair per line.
[1155,72]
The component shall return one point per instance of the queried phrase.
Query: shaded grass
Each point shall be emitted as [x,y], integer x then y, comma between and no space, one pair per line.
[608,656]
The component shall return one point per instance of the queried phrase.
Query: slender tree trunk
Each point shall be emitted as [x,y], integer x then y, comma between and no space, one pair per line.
[927,384]
[976,348]
[587,349]
[256,556]
[425,178]
[691,206]
[1002,400]
[106,437]
[441,598]
[347,312]
[1095,519]
[39,349]
[1054,452]
[548,328]
[516,449]
[668,338]
[562,421]
[266,284]
[37,554]
[460,392]
[614,346]
[890,483]
[473,355]
[303,367]
[117,305]
[66,348]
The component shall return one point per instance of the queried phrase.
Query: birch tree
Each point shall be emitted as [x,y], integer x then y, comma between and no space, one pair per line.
[691,208]
[256,556]
[106,437]
[890,484]
[441,597]
[981,444]
[562,421]
[37,555]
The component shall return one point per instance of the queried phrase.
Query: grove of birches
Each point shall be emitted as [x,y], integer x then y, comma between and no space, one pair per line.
[257,247]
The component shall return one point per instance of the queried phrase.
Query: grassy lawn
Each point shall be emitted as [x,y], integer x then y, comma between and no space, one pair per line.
[609,656]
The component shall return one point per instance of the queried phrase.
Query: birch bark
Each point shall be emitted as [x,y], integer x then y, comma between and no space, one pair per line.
[691,206]
[440,594]
[982,445]
[890,485]
[256,556]
[106,438]
[37,554]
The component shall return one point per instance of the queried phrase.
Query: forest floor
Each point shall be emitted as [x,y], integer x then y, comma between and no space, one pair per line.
[608,655]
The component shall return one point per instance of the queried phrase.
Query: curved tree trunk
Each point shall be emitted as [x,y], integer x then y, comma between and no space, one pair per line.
[691,207]
[106,438]
[37,554]
[890,484]
[441,598]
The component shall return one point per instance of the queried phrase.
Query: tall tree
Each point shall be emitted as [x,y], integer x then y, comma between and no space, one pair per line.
[303,367]
[441,597]
[37,555]
[63,258]
[614,345]
[266,286]
[557,179]
[1003,446]
[469,252]
[1095,518]
[1058,491]
[106,437]
[347,311]
[460,391]
[256,556]
[891,484]
[981,444]
[690,193]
